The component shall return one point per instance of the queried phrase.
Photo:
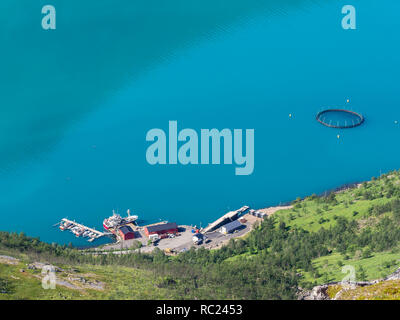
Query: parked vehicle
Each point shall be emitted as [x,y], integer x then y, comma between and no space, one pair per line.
[197,239]
[154,237]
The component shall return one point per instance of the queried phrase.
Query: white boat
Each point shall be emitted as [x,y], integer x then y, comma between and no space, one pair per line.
[116,220]
[78,232]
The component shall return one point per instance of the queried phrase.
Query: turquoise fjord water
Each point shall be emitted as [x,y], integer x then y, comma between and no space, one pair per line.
[76,104]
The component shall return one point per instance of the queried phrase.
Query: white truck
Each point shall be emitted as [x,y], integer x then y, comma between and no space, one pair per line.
[197,239]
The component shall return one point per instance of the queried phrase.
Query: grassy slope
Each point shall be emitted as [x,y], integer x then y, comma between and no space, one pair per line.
[377,266]
[28,285]
[388,290]
[309,218]
[312,215]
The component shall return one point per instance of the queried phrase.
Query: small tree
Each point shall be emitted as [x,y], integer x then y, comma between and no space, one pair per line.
[362,274]
[326,277]
[366,253]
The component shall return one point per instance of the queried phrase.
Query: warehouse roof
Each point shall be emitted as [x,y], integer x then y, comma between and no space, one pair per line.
[162,227]
[126,229]
[231,226]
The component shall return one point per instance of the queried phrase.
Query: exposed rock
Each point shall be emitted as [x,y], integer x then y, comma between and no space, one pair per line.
[72,281]
[67,284]
[96,285]
[302,294]
[321,292]
[87,284]
[35,265]
[77,279]
[317,293]
[40,266]
[8,260]
[394,276]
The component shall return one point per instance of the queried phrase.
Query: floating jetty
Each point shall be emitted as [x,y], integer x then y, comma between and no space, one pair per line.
[80,230]
[230,216]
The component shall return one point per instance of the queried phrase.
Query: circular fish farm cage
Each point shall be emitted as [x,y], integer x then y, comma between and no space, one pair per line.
[339,118]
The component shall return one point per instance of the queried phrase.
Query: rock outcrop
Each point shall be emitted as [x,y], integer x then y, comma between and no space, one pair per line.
[394,276]
[321,292]
[8,260]
[317,293]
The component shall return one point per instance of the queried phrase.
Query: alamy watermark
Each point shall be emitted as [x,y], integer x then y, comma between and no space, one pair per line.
[348,281]
[349,20]
[49,20]
[49,277]
[188,153]
[191,153]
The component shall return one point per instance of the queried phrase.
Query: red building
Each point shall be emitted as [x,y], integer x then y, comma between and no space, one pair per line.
[161,229]
[126,233]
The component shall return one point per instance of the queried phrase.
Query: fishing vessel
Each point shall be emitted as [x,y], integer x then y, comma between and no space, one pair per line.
[116,220]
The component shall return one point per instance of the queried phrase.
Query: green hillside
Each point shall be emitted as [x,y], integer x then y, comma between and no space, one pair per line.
[303,246]
[86,282]
[365,203]
[373,206]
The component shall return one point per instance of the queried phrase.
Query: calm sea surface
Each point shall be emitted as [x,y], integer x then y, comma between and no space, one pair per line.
[76,104]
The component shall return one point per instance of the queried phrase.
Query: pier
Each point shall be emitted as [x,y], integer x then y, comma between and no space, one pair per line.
[231,215]
[81,230]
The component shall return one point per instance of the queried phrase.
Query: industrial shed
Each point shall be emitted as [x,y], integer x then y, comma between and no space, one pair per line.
[126,233]
[231,226]
[160,229]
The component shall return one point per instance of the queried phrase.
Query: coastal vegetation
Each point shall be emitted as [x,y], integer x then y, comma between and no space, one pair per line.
[303,246]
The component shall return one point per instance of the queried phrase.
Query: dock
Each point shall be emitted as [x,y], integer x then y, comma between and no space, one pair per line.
[228,217]
[79,229]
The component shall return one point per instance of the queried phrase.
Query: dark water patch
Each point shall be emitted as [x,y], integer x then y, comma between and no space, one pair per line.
[51,79]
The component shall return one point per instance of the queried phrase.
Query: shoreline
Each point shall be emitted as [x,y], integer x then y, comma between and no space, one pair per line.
[269,211]
[184,241]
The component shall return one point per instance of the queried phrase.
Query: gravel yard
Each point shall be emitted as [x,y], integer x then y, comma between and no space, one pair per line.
[182,242]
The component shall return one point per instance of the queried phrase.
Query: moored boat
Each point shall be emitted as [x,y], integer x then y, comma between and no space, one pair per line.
[64,226]
[116,220]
